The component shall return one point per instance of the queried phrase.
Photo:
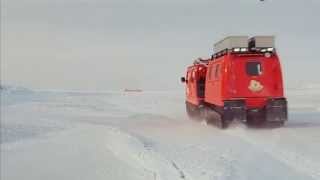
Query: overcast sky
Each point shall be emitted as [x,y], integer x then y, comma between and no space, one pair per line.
[116,44]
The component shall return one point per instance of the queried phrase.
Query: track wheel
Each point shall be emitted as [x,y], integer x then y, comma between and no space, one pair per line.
[193,111]
[275,124]
[222,124]
[216,119]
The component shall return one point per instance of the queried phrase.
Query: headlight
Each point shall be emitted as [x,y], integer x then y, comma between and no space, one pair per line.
[263,50]
[270,49]
[236,49]
[243,49]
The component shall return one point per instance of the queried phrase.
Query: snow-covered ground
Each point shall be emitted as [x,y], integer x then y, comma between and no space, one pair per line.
[146,136]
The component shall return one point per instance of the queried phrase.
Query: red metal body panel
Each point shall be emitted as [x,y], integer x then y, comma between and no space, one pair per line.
[252,77]
[215,82]
[194,74]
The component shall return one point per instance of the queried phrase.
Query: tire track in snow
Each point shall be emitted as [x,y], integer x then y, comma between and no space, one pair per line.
[204,161]
[292,159]
[139,153]
[182,176]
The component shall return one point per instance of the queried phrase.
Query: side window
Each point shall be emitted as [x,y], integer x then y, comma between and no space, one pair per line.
[188,76]
[217,71]
[254,68]
[212,72]
[194,75]
[191,75]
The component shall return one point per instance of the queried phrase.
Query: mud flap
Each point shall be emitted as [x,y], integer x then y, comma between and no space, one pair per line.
[276,111]
[234,110]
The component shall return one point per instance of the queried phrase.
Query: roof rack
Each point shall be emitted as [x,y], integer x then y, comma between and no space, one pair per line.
[201,61]
[260,42]
[231,42]
[244,45]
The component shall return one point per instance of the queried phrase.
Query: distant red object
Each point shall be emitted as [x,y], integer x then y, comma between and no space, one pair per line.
[242,83]
[132,90]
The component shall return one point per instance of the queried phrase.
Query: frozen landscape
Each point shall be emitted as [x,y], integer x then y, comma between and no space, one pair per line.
[146,135]
[101,45]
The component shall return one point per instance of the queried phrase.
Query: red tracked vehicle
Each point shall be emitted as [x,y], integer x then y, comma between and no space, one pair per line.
[242,80]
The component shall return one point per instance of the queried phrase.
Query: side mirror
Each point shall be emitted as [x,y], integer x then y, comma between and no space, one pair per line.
[183,79]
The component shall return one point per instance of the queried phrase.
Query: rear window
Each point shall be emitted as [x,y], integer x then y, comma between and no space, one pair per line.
[254,68]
